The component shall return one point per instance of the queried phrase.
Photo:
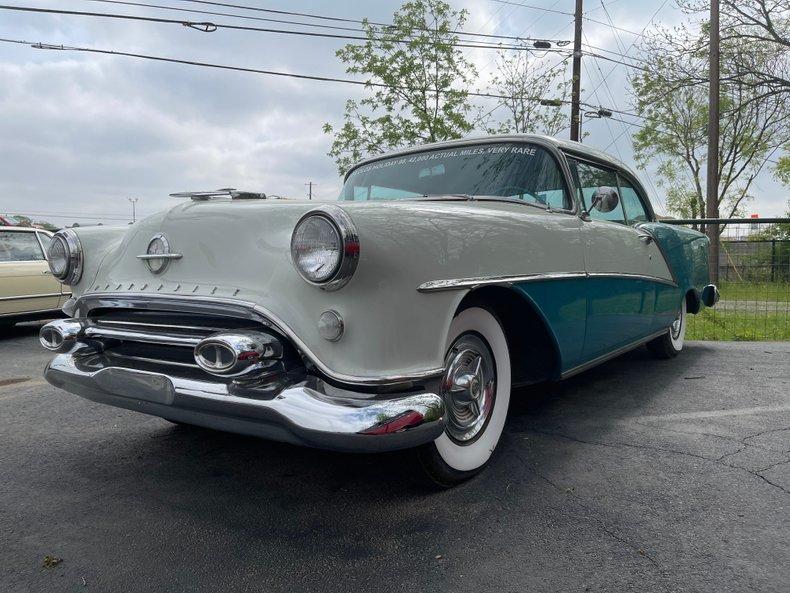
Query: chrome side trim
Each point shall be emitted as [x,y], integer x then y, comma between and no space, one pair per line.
[609,355]
[632,277]
[462,283]
[31,296]
[259,313]
[54,312]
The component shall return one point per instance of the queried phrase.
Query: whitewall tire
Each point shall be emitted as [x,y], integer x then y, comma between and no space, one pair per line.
[671,343]
[476,390]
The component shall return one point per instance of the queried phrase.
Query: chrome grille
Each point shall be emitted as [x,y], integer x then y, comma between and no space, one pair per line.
[147,338]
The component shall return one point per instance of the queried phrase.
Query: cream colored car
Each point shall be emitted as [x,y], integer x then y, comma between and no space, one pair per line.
[27,288]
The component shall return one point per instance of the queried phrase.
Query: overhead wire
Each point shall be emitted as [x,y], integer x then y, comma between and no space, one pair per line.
[342,19]
[154,58]
[209,27]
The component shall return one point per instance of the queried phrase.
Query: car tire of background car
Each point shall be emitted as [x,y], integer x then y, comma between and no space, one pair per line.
[476,389]
[671,343]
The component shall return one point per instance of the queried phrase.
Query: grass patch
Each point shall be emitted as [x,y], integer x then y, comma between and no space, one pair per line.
[754,291]
[711,324]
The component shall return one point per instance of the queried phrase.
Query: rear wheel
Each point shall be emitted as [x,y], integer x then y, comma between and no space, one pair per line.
[476,392]
[671,343]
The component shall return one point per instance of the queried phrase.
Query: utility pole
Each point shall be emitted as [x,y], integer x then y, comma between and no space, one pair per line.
[577,73]
[711,202]
[133,201]
[310,185]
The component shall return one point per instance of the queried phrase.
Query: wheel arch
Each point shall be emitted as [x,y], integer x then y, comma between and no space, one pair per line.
[533,348]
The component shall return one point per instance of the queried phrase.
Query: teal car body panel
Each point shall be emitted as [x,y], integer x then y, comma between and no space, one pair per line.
[686,252]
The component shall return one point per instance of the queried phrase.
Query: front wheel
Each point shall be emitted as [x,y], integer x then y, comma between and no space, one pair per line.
[476,392]
[671,343]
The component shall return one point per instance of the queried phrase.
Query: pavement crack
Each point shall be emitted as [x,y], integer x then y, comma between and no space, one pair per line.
[591,513]
[619,445]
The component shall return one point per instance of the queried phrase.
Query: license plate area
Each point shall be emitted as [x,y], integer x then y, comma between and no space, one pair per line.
[151,387]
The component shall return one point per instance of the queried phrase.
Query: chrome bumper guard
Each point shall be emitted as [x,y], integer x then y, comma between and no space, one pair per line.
[310,412]
[710,295]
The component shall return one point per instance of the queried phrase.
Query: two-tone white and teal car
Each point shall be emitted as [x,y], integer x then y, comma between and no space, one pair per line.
[401,315]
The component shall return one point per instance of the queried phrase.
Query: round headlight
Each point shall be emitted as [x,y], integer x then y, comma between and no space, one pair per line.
[325,247]
[58,257]
[65,257]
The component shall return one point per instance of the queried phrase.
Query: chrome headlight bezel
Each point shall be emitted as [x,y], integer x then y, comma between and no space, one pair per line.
[349,246]
[74,256]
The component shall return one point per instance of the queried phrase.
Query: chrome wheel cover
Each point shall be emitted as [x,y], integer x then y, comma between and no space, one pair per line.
[468,387]
[677,325]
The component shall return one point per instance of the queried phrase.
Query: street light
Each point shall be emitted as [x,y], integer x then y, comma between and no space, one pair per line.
[133,201]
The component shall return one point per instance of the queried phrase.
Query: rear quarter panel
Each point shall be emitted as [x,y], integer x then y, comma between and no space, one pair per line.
[686,252]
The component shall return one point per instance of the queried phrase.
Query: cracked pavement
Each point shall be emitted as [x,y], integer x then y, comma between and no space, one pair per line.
[640,475]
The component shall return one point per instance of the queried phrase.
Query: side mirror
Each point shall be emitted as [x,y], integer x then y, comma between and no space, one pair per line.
[605,199]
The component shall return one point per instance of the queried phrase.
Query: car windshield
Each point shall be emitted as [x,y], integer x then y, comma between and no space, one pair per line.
[513,170]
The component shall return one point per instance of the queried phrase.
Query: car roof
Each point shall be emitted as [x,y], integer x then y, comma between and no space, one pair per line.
[570,146]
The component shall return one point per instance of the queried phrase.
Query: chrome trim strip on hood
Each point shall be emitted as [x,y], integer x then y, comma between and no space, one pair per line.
[253,311]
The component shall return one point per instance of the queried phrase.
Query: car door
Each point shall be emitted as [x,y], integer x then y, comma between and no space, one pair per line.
[26,283]
[618,261]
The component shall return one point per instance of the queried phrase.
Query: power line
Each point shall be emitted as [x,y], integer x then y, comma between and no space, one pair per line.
[52,46]
[532,7]
[348,20]
[634,59]
[586,18]
[209,27]
[655,14]
[68,215]
[228,14]
[607,59]
[251,70]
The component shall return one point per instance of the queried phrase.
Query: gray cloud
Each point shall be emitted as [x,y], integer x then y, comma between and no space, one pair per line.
[79,133]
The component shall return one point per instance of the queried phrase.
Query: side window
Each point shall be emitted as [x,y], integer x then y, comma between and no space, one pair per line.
[536,178]
[19,246]
[589,178]
[45,240]
[634,208]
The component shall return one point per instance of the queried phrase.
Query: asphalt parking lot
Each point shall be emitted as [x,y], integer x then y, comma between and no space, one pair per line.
[640,475]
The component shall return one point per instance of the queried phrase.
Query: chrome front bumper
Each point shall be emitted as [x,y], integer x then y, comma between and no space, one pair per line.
[310,412]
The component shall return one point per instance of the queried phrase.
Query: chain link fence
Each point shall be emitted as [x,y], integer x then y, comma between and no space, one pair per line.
[754,282]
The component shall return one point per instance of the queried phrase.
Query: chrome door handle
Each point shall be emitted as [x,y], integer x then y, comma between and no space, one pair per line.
[646,239]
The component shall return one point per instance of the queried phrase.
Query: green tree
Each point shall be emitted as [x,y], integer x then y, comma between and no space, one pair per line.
[782,169]
[674,105]
[529,87]
[417,83]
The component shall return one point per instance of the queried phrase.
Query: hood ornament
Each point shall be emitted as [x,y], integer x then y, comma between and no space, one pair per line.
[226,192]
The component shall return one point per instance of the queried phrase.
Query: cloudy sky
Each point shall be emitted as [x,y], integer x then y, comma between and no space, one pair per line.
[82,133]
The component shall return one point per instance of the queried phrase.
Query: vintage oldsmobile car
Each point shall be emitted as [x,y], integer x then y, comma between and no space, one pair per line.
[400,316]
